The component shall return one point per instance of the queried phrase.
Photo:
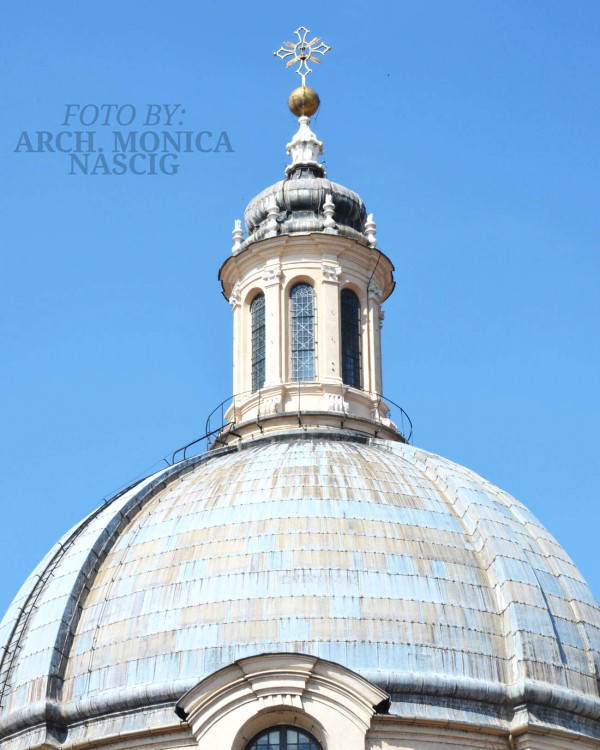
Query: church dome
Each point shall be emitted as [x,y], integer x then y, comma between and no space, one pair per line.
[313,580]
[410,570]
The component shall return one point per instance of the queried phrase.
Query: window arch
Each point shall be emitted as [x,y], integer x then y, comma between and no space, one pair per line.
[302,316]
[257,315]
[283,738]
[350,328]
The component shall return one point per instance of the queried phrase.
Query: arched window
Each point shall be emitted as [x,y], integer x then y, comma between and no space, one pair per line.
[302,314]
[257,314]
[283,738]
[350,325]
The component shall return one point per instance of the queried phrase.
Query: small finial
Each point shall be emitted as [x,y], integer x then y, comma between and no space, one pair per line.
[238,236]
[370,231]
[304,148]
[328,211]
[272,215]
[303,100]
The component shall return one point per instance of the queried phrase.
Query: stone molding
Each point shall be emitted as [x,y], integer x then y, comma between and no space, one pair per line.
[228,708]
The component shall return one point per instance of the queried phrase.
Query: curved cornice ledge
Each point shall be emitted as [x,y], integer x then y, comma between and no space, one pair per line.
[229,707]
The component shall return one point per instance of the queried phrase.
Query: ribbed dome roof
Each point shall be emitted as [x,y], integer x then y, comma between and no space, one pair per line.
[300,199]
[406,568]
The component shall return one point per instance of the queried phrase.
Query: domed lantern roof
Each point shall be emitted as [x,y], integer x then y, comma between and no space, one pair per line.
[302,197]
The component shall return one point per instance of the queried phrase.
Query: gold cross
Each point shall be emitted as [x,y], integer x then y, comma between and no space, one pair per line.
[302,51]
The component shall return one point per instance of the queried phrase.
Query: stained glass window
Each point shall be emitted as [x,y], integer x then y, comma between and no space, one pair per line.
[302,314]
[350,325]
[257,314]
[283,738]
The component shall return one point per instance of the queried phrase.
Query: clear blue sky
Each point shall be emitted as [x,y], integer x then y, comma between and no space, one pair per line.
[471,130]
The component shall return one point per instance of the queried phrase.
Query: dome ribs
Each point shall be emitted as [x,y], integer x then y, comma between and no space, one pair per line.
[401,565]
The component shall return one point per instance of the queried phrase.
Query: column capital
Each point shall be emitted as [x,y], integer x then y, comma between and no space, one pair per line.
[331,272]
[236,298]
[272,274]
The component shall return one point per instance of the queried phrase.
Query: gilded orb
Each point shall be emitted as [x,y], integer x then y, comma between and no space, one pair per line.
[304,101]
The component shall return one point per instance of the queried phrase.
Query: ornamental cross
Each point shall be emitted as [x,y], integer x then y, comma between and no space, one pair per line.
[302,51]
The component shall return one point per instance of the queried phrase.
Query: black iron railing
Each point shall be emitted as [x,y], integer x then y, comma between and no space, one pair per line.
[218,425]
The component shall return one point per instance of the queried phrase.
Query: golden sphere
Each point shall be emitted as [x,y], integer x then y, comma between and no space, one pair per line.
[304,101]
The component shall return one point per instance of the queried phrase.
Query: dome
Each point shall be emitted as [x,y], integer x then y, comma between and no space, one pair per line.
[314,579]
[300,199]
[412,571]
[298,203]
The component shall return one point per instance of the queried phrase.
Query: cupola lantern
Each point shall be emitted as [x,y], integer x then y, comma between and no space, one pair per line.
[306,288]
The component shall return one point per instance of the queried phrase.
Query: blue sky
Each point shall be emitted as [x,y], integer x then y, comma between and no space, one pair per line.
[470,129]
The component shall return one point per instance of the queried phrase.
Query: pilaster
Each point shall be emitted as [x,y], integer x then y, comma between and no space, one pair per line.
[329,319]
[272,277]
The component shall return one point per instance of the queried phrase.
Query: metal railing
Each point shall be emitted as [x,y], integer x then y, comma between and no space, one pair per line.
[217,423]
[403,422]
[218,427]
